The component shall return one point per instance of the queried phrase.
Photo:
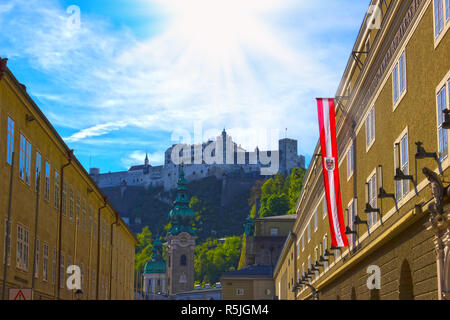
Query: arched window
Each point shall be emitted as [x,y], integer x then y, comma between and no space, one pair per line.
[183,260]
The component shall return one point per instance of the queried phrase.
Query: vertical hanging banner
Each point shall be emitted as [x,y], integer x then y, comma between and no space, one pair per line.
[330,162]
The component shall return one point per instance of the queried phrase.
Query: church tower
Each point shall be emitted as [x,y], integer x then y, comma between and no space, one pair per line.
[181,243]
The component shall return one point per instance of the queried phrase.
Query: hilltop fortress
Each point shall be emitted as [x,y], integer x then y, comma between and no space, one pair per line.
[217,158]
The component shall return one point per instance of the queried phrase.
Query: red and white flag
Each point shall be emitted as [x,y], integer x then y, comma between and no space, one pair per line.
[330,162]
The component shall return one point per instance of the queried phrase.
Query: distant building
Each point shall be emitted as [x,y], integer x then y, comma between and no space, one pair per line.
[264,242]
[251,283]
[236,160]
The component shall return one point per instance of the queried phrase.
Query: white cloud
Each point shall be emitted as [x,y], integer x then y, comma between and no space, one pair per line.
[137,158]
[249,65]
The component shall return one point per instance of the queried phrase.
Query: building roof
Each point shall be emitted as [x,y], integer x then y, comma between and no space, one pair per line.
[257,271]
[292,217]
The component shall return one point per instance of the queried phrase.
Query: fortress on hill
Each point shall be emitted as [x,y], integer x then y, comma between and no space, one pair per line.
[225,158]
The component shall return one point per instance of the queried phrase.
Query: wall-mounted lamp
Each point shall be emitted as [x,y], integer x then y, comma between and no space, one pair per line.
[422,154]
[335,248]
[369,208]
[30,118]
[399,174]
[327,253]
[318,265]
[323,259]
[382,194]
[313,268]
[446,122]
[349,231]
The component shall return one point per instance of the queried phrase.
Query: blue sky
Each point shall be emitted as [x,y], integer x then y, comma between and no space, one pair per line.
[135,74]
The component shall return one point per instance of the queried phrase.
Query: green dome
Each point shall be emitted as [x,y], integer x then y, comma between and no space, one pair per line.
[155,266]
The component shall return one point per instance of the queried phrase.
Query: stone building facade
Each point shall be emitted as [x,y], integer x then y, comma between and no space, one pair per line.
[394,168]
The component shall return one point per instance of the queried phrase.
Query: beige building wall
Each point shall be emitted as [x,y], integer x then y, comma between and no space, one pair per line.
[102,246]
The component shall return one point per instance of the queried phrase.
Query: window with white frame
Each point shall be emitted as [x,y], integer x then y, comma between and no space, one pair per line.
[22,248]
[64,199]
[442,133]
[309,231]
[38,170]
[71,204]
[303,242]
[399,78]
[36,267]
[54,267]
[10,141]
[83,215]
[47,181]
[77,210]
[25,160]
[324,207]
[401,150]
[62,270]
[45,262]
[325,248]
[309,263]
[316,220]
[441,16]
[351,222]
[337,254]
[273,232]
[316,260]
[372,200]
[56,198]
[350,162]
[7,243]
[370,127]
[303,273]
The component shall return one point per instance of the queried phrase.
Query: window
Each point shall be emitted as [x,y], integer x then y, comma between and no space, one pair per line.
[45,263]
[316,260]
[47,181]
[36,267]
[56,198]
[372,200]
[183,261]
[83,215]
[7,243]
[442,133]
[71,204]
[309,263]
[401,150]
[64,198]
[273,232]
[351,222]
[62,271]
[399,79]
[309,231]
[324,207]
[439,16]
[93,284]
[77,210]
[22,248]
[350,162]
[303,242]
[25,160]
[316,220]
[54,267]
[90,220]
[38,170]
[324,248]
[239,292]
[10,141]
[370,128]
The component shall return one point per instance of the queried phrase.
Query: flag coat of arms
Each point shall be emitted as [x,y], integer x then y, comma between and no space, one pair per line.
[330,162]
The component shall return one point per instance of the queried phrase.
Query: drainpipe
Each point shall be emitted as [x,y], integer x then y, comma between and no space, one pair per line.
[36,219]
[98,246]
[8,228]
[294,236]
[111,254]
[61,187]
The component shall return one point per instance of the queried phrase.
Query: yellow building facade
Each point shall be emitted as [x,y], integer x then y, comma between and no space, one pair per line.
[394,168]
[57,215]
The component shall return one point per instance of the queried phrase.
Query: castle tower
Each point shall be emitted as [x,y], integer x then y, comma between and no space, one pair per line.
[181,243]
[147,162]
